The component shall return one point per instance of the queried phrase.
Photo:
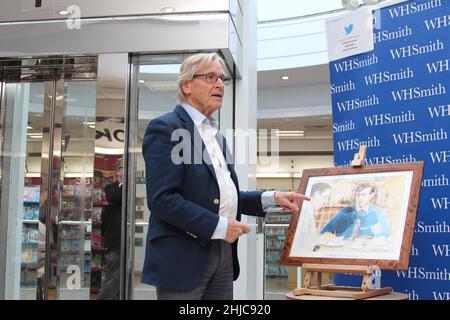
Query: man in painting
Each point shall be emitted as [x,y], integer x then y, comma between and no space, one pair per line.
[362,219]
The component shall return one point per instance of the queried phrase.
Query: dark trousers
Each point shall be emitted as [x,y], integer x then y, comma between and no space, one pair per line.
[110,285]
[216,283]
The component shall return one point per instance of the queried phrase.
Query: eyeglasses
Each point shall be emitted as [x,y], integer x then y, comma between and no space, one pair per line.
[212,78]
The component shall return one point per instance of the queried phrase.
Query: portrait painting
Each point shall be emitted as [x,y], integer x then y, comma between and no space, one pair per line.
[356,215]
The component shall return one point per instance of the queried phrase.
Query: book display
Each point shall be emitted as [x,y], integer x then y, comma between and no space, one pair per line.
[75,228]
[276,227]
[30,235]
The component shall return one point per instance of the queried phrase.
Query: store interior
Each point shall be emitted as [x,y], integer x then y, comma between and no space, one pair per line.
[293,105]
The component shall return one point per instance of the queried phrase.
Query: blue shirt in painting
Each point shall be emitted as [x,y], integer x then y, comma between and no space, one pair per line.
[350,223]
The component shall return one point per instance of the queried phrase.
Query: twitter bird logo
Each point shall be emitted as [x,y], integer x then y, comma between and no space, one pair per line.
[348,29]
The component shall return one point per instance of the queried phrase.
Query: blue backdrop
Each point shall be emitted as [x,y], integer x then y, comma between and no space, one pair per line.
[396,101]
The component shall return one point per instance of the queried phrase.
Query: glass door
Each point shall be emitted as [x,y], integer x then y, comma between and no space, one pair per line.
[47,159]
[22,114]
[154,91]
[75,215]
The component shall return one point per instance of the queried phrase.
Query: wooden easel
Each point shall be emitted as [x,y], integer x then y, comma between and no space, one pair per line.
[363,292]
[360,157]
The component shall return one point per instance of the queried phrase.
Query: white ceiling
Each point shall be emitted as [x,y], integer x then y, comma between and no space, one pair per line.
[306,81]
[282,9]
[305,76]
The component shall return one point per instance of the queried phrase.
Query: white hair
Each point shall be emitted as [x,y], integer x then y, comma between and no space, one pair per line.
[191,65]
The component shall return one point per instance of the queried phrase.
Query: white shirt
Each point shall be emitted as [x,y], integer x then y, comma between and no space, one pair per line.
[208,128]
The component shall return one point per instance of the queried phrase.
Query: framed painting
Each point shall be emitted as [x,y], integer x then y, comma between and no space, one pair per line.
[356,216]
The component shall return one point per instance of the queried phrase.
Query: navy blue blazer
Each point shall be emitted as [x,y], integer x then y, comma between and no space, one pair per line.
[183,199]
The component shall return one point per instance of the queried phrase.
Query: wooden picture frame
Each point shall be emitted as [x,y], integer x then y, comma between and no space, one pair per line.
[346,234]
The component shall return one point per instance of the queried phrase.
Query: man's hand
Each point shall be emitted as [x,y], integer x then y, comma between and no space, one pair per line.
[235,230]
[289,201]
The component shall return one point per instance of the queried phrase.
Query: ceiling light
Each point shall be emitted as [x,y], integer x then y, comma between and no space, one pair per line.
[371,1]
[285,78]
[63,12]
[351,4]
[289,133]
[278,175]
[162,85]
[167,10]
[141,81]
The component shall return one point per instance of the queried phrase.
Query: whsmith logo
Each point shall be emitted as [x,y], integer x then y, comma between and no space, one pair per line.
[423,274]
[438,22]
[386,76]
[419,136]
[416,49]
[412,8]
[354,144]
[386,35]
[417,92]
[348,29]
[355,63]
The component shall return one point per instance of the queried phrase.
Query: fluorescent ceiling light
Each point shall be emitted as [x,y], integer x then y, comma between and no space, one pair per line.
[58,97]
[285,77]
[108,150]
[33,175]
[289,133]
[78,175]
[278,175]
[162,85]
[160,68]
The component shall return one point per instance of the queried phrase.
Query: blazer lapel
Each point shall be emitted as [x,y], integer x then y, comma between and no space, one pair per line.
[199,146]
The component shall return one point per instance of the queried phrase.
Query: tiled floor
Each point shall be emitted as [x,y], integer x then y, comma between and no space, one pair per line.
[276,289]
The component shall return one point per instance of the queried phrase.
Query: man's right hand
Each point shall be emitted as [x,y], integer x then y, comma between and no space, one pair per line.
[235,230]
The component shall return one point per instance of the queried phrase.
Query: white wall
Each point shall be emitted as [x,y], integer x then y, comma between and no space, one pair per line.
[291,164]
[296,101]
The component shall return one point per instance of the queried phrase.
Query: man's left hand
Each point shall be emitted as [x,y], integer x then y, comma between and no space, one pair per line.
[289,201]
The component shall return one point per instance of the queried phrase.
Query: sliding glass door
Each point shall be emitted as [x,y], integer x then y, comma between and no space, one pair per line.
[154,90]
[47,160]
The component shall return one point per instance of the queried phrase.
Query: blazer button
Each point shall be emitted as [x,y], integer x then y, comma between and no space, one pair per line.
[216,201]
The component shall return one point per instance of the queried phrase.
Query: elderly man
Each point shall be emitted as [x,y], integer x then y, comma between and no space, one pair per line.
[193,192]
